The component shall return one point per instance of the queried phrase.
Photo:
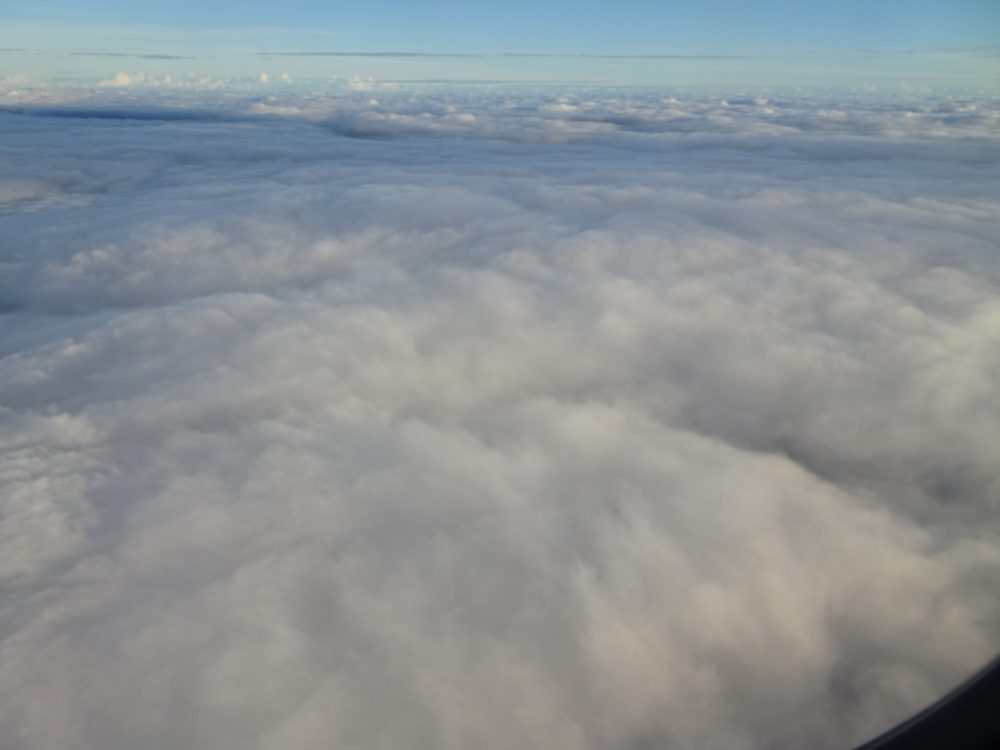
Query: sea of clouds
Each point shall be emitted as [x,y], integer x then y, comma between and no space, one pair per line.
[461,419]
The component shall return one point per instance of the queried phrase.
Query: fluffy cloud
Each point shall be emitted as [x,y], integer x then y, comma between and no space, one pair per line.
[369,83]
[121,80]
[577,421]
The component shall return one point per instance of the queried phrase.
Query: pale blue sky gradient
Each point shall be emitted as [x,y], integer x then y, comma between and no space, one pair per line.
[736,41]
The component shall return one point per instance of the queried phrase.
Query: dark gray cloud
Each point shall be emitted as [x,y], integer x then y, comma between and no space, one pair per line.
[150,113]
[587,420]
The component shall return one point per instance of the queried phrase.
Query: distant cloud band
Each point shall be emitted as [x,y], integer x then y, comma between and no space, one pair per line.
[463,55]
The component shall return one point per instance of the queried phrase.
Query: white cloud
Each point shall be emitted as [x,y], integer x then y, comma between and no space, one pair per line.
[143,82]
[370,83]
[578,421]
[122,80]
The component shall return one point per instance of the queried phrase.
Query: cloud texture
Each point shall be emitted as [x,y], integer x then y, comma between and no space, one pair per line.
[482,420]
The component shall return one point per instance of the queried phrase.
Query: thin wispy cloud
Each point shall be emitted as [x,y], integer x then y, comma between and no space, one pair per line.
[134,55]
[543,55]
[373,54]
[625,57]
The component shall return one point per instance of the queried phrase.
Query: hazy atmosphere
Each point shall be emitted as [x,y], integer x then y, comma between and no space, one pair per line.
[467,402]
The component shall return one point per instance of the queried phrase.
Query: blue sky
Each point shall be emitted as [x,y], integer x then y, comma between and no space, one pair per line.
[795,40]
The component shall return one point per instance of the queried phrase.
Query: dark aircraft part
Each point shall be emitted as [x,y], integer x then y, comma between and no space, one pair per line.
[968,718]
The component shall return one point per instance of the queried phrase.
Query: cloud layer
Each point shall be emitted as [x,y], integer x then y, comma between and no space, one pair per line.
[482,420]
